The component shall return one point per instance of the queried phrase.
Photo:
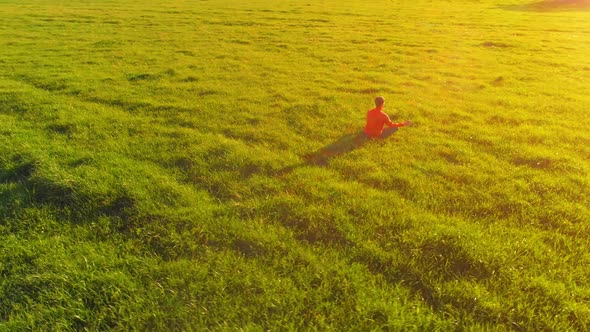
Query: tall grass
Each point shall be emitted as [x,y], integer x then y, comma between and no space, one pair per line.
[197,165]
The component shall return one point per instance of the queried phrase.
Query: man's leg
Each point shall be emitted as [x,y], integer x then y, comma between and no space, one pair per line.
[388,132]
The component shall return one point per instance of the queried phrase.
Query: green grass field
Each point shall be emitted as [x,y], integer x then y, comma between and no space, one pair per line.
[191,165]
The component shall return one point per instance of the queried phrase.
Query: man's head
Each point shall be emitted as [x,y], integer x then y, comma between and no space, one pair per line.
[379,101]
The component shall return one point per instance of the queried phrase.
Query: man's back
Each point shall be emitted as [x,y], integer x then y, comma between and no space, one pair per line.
[376,119]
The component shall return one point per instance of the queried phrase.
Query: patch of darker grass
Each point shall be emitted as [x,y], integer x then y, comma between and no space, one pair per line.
[310,225]
[422,273]
[190,79]
[107,43]
[252,168]
[489,44]
[47,85]
[498,81]
[11,103]
[75,202]
[21,172]
[33,280]
[236,23]
[63,129]
[204,93]
[449,155]
[390,183]
[127,105]
[375,259]
[184,164]
[136,106]
[249,248]
[123,206]
[326,234]
[446,257]
[61,194]
[319,20]
[168,238]
[186,52]
[537,163]
[141,77]
[418,282]
[240,42]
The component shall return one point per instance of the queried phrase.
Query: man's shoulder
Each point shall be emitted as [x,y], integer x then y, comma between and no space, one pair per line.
[377,112]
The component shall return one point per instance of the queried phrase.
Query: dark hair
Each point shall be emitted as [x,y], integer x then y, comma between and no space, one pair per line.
[379,101]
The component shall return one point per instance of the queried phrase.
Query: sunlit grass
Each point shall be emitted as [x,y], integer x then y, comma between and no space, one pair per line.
[197,165]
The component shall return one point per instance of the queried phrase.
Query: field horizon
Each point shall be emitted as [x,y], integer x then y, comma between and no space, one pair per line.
[196,165]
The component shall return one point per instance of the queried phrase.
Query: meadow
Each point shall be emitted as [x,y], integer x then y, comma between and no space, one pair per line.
[190,165]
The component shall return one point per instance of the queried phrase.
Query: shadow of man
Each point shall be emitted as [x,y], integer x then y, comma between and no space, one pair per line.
[343,145]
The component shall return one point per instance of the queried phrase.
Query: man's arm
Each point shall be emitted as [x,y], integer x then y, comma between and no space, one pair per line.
[395,124]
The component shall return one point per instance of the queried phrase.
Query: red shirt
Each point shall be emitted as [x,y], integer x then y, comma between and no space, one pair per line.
[376,119]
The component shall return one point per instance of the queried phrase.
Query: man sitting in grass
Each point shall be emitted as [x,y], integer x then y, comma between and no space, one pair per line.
[376,119]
